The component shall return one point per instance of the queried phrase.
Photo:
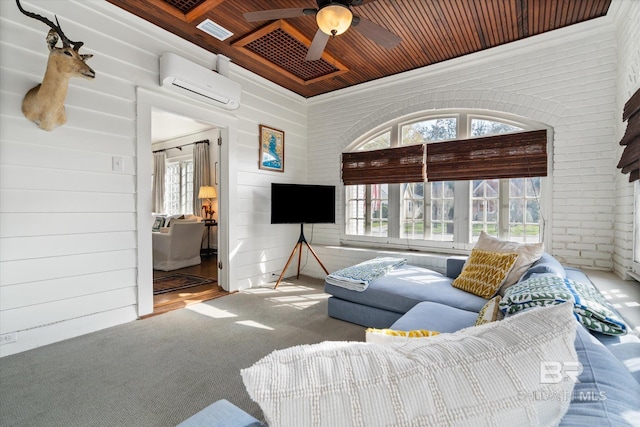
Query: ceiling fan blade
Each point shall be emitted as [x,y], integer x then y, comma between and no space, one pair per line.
[375,32]
[270,15]
[317,46]
[360,2]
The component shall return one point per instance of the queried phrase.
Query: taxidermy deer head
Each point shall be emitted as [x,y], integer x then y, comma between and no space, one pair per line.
[44,103]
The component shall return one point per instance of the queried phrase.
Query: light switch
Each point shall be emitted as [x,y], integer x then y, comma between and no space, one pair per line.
[117,164]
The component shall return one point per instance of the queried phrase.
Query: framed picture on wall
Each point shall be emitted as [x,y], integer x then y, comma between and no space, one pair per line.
[271,149]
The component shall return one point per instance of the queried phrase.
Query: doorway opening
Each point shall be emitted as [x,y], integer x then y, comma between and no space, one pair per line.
[186,157]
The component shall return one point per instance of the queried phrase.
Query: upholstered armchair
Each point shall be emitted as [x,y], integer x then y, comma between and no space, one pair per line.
[179,247]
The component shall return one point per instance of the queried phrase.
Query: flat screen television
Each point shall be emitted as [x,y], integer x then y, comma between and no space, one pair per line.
[303,204]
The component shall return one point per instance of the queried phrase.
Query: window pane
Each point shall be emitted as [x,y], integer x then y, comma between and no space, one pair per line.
[187,187]
[442,202]
[355,209]
[379,209]
[524,210]
[478,188]
[172,189]
[516,210]
[485,204]
[429,130]
[492,187]
[448,211]
[481,127]
[532,186]
[380,141]
[516,187]
[412,211]
[436,189]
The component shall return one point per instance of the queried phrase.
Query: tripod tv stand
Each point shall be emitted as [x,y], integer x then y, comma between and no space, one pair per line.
[298,246]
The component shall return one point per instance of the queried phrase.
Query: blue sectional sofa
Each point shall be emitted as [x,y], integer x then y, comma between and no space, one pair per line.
[416,298]
[410,298]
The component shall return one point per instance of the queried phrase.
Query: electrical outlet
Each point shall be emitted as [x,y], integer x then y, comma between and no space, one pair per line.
[8,338]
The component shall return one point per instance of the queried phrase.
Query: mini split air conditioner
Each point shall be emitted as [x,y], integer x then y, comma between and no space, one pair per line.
[198,82]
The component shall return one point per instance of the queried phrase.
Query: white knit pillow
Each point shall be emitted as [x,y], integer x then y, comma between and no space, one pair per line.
[528,253]
[484,375]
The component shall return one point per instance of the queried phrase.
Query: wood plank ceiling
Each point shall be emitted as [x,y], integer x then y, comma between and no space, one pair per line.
[432,31]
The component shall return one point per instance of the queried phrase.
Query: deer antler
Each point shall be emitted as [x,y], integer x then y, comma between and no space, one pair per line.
[65,41]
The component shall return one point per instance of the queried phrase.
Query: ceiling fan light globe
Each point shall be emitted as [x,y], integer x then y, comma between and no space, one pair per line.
[334,19]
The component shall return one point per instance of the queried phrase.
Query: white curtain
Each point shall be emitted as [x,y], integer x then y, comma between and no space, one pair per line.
[201,172]
[157,192]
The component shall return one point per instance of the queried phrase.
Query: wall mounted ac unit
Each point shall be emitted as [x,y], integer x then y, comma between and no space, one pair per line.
[198,82]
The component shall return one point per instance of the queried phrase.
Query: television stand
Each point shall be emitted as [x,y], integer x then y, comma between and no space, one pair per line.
[298,245]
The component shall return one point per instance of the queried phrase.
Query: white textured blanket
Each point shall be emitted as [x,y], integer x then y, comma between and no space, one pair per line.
[358,277]
[488,375]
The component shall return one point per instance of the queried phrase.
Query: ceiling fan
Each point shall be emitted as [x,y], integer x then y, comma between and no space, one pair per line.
[333,17]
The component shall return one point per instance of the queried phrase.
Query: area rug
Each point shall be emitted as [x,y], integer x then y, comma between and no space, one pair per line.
[178,281]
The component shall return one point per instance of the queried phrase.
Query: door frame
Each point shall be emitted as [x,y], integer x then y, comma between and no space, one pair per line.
[147,100]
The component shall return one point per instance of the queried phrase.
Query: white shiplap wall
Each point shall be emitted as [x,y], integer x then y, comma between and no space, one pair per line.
[69,239]
[565,79]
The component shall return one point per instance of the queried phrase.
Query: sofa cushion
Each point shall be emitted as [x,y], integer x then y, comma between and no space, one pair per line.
[221,413]
[406,286]
[590,307]
[528,253]
[435,317]
[546,265]
[606,391]
[484,272]
[485,375]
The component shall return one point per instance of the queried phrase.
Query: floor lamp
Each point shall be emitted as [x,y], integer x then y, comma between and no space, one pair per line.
[298,247]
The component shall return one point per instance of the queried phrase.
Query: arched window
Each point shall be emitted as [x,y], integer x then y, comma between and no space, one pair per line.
[444,214]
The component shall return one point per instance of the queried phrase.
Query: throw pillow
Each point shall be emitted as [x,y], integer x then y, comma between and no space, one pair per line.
[528,253]
[382,336]
[490,312]
[589,306]
[485,375]
[484,272]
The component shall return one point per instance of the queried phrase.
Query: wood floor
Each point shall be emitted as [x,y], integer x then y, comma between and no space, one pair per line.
[179,299]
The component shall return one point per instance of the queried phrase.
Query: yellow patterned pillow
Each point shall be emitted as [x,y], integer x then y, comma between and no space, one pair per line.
[484,272]
[490,312]
[382,336]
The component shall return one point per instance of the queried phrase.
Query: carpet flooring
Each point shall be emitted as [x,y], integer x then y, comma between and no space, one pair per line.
[178,281]
[161,370]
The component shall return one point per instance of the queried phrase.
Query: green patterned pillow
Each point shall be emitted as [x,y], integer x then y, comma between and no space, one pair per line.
[589,306]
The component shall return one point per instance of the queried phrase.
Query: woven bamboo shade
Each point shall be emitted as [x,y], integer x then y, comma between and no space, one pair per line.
[630,160]
[387,166]
[514,155]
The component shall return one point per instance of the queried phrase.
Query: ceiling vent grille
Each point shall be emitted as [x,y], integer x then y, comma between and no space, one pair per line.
[286,48]
[184,6]
[272,47]
[214,30]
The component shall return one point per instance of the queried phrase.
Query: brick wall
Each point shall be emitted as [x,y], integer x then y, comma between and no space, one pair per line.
[565,79]
[628,39]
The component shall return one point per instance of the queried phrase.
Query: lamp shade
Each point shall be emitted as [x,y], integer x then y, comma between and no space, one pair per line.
[207,192]
[334,19]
